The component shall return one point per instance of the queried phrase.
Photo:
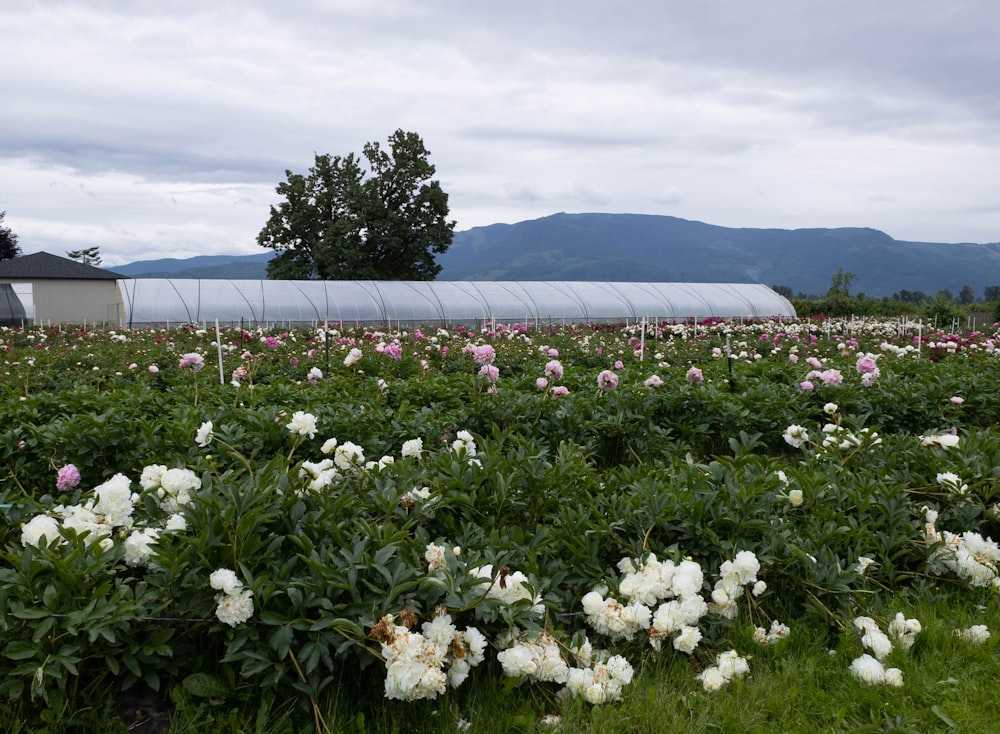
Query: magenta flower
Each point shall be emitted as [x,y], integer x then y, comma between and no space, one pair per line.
[393,351]
[694,376]
[67,478]
[607,380]
[192,361]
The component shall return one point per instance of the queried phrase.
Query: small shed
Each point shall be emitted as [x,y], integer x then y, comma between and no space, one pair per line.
[58,290]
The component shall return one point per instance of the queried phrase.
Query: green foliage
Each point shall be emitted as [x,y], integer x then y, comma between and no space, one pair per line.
[8,241]
[86,256]
[560,489]
[943,312]
[342,222]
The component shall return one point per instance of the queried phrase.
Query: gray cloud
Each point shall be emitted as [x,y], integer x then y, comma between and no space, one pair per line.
[165,126]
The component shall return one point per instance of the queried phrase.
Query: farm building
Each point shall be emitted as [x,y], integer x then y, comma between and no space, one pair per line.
[53,289]
[263,302]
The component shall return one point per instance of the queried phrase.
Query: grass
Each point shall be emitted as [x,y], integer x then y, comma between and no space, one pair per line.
[801,684]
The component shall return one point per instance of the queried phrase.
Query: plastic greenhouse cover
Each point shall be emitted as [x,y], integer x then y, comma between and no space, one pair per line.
[262,302]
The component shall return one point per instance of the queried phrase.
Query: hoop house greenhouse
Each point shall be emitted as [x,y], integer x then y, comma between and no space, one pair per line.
[160,301]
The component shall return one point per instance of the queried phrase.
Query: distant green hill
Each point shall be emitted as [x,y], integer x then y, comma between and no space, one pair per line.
[636,247]
[209,267]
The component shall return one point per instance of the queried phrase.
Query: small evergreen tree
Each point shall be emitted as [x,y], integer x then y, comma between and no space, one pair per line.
[87,256]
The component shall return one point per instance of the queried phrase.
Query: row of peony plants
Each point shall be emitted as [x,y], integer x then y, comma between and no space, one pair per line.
[249,537]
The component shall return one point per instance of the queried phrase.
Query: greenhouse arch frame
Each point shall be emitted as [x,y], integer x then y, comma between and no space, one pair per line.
[262,302]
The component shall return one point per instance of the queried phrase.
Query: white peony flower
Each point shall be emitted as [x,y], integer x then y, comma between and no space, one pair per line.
[115,501]
[944,440]
[687,640]
[872,637]
[952,482]
[349,456]
[205,434]
[976,634]
[39,527]
[795,436]
[303,424]
[150,478]
[868,670]
[139,546]
[412,448]
[226,581]
[435,557]
[234,609]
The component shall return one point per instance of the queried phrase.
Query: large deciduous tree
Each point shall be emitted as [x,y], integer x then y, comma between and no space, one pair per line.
[379,217]
[8,241]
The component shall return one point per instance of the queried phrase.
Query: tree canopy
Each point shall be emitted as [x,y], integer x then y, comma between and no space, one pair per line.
[87,256]
[8,241]
[379,217]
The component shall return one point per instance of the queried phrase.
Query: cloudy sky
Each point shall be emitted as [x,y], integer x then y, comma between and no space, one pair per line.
[161,128]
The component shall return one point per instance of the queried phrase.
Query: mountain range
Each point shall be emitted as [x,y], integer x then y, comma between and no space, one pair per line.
[639,247]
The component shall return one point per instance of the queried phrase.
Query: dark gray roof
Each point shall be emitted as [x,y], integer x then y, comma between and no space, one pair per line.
[42,265]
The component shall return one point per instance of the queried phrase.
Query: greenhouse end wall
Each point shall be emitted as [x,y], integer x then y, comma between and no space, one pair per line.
[356,302]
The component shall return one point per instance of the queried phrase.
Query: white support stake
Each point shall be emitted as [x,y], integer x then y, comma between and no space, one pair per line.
[218,344]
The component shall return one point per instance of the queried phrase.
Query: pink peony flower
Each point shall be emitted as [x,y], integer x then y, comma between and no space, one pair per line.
[153,369]
[813,362]
[484,354]
[192,361]
[694,376]
[653,381]
[831,377]
[619,364]
[490,372]
[67,478]
[956,400]
[558,391]
[607,380]
[554,369]
[806,385]
[793,358]
[393,351]
[866,365]
[541,383]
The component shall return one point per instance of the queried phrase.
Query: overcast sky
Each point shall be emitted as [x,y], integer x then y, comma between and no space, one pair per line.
[160,128]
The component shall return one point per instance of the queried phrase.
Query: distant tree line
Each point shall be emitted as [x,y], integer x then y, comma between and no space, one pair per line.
[941,307]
